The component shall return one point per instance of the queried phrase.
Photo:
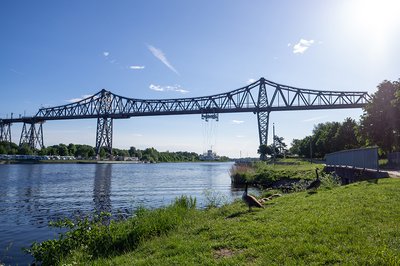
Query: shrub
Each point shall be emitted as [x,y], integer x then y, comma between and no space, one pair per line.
[98,238]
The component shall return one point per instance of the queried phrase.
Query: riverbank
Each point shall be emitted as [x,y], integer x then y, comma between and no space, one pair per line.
[284,173]
[354,224]
[66,162]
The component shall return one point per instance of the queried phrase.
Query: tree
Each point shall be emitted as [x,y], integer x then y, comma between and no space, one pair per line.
[263,150]
[346,135]
[132,151]
[62,150]
[25,149]
[280,146]
[380,123]
[71,149]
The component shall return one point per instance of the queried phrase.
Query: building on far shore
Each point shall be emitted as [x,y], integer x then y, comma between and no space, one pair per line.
[209,156]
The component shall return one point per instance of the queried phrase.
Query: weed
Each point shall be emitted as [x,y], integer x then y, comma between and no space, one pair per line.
[94,237]
[214,199]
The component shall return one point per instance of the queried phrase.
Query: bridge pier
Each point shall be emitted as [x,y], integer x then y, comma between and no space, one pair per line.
[31,135]
[263,116]
[5,132]
[263,122]
[104,134]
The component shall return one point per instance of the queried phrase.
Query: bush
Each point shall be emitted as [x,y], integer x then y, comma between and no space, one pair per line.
[97,237]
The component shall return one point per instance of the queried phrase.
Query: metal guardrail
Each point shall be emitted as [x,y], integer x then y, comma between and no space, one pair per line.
[366,158]
[394,159]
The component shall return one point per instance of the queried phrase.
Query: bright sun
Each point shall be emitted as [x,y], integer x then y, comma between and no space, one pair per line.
[373,23]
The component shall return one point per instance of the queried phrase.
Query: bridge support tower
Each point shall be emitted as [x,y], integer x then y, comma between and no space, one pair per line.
[104,124]
[263,116]
[5,132]
[32,135]
[104,135]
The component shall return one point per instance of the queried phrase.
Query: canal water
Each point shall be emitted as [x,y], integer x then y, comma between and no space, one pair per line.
[32,195]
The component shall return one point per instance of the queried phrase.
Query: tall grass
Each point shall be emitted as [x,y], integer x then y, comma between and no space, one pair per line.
[267,174]
[93,238]
[241,173]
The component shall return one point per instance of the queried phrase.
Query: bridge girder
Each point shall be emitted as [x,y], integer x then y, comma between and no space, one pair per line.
[261,98]
[278,97]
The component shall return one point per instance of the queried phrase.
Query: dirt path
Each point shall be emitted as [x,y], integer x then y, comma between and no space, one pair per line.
[394,173]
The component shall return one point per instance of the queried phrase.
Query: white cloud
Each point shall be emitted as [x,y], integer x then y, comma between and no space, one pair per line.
[137,135]
[237,122]
[249,81]
[302,46]
[289,44]
[156,87]
[105,53]
[176,88]
[74,100]
[161,56]
[239,136]
[314,119]
[136,67]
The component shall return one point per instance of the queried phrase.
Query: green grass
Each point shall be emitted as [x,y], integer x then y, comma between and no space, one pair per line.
[356,224]
[266,173]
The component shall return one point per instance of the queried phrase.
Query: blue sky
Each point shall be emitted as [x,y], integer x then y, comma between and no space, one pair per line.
[53,52]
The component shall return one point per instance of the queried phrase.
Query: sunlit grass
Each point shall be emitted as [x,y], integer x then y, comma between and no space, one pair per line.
[351,225]
[266,173]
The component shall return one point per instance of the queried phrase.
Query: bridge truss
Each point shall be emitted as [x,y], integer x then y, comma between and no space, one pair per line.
[261,97]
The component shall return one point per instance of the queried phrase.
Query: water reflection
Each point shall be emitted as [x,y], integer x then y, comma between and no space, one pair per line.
[32,195]
[102,188]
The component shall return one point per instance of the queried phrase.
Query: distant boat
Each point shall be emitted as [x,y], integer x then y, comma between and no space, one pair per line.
[209,156]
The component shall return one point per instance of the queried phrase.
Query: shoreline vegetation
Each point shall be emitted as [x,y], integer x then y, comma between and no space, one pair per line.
[334,224]
[77,153]
[289,175]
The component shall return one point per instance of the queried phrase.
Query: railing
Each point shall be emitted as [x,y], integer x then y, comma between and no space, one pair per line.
[365,158]
[394,159]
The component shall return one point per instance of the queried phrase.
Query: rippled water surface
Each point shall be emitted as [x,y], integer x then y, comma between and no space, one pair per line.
[31,195]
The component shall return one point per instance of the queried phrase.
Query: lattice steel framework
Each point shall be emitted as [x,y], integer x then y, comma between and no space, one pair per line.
[263,116]
[5,131]
[104,123]
[31,135]
[260,97]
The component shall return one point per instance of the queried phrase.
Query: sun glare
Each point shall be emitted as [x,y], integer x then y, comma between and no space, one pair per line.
[374,23]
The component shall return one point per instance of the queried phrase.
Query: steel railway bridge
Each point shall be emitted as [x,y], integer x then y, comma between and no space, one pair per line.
[261,98]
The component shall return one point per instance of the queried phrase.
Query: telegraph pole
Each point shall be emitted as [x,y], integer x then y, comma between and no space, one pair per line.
[273,142]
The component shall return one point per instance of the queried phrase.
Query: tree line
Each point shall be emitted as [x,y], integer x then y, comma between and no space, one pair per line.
[378,126]
[88,152]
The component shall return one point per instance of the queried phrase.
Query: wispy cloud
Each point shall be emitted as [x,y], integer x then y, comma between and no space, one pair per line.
[74,100]
[110,59]
[239,136]
[314,119]
[249,81]
[302,46]
[136,67]
[15,71]
[176,88]
[137,135]
[161,56]
[237,122]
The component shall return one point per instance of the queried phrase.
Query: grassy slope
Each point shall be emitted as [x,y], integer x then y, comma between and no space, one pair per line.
[354,224]
[263,173]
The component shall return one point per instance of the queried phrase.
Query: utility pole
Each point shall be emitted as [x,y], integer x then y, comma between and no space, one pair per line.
[273,143]
[311,150]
